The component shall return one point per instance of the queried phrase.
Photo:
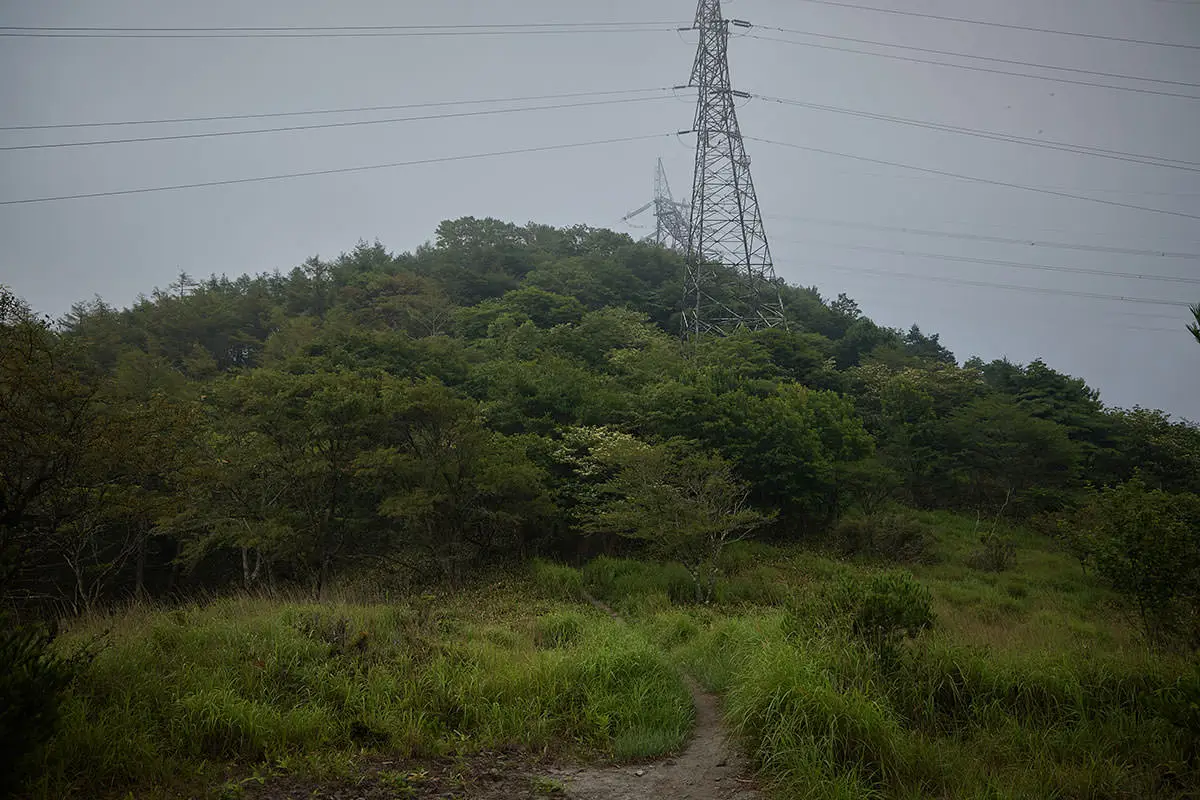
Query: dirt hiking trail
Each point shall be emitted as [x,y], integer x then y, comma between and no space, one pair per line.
[709,769]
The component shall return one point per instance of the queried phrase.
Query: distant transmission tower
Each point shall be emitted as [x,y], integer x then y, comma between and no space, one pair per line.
[730,281]
[671,217]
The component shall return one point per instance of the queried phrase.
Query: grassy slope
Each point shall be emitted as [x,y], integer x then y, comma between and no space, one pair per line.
[293,686]
[1030,685]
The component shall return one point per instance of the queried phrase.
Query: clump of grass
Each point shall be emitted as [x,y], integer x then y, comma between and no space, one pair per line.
[808,724]
[258,681]
[876,610]
[759,586]
[617,579]
[671,629]
[557,581]
[740,556]
[637,606]
[559,629]
[948,721]
[997,553]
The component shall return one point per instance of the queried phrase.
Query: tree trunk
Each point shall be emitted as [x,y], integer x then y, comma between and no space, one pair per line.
[139,586]
[250,576]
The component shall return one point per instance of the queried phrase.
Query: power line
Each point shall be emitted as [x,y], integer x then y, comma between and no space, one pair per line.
[337,171]
[988,70]
[311,28]
[1008,26]
[532,29]
[1092,248]
[999,262]
[976,179]
[1087,150]
[313,112]
[955,54]
[1005,286]
[324,125]
[857,173]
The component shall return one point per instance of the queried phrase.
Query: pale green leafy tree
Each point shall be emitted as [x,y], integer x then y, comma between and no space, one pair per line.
[687,506]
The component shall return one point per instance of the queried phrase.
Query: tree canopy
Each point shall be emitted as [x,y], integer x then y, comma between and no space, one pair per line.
[432,411]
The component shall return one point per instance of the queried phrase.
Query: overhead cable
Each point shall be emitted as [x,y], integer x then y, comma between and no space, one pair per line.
[1087,150]
[326,125]
[384,31]
[976,179]
[1008,26]
[990,285]
[335,171]
[957,54]
[974,237]
[317,28]
[319,111]
[972,68]
[999,262]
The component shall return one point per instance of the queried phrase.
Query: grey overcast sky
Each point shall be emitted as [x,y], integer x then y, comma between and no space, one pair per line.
[56,253]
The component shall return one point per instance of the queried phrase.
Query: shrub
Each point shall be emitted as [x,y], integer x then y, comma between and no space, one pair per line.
[1146,545]
[33,678]
[995,554]
[882,610]
[887,536]
[741,556]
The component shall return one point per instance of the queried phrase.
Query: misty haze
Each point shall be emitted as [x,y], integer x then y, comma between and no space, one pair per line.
[689,399]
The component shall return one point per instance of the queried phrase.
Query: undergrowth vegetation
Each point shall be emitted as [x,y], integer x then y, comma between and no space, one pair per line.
[856,680]
[843,678]
[254,681]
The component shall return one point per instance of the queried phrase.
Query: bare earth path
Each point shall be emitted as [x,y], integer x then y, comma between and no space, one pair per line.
[709,769]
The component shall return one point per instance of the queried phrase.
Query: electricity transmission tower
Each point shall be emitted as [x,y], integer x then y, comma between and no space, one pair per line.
[730,280]
[671,217]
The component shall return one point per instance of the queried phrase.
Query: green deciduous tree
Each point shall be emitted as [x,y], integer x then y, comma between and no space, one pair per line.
[457,490]
[1164,451]
[1146,545]
[1003,458]
[787,442]
[279,477]
[49,419]
[685,505]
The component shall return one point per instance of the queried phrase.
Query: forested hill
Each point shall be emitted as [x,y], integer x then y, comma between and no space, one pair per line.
[467,403]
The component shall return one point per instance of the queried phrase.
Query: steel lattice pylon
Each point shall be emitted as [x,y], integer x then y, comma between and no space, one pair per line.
[730,281]
[672,228]
[671,217]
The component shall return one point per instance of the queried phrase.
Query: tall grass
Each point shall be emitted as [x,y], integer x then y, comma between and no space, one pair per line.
[1028,686]
[824,720]
[255,681]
